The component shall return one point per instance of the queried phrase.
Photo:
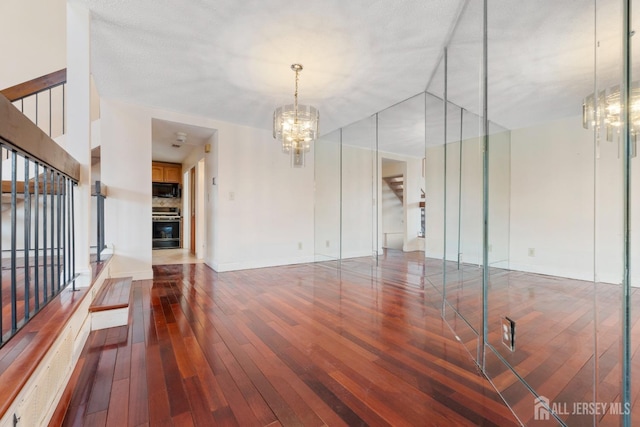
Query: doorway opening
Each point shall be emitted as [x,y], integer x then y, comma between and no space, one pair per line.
[393,209]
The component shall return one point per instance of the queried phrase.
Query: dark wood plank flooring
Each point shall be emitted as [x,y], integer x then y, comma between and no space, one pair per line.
[568,333]
[296,345]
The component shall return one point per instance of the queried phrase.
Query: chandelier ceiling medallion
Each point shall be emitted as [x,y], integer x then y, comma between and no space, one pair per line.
[296,126]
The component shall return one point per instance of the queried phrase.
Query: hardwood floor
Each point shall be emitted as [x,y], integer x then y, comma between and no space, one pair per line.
[568,333]
[294,345]
[362,345]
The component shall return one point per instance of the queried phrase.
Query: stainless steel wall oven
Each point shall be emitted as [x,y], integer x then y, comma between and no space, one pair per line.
[166,224]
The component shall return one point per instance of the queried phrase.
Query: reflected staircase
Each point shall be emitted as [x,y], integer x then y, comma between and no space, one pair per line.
[396,184]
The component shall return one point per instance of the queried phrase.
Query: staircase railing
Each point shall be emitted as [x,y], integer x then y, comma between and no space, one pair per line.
[42,100]
[37,232]
[100,193]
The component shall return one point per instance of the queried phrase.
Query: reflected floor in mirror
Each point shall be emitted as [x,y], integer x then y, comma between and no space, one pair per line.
[302,344]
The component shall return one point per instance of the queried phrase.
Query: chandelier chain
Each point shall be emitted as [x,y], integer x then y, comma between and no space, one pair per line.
[295,99]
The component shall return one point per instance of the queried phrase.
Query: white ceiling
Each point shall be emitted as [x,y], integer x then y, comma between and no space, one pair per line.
[230,59]
[164,137]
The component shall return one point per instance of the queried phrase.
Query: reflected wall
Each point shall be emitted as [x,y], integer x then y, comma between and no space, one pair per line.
[359,238]
[327,173]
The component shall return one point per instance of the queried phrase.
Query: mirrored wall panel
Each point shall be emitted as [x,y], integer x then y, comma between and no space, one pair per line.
[631,297]
[435,210]
[463,228]
[359,189]
[327,197]
[507,193]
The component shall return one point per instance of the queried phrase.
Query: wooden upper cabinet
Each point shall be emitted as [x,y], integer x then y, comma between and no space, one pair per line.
[166,172]
[157,173]
[173,174]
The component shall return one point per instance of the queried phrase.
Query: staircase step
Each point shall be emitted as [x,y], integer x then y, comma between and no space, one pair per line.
[114,294]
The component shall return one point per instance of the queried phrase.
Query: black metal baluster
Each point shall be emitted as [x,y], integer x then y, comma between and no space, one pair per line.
[65,231]
[14,202]
[53,230]
[73,234]
[36,240]
[45,290]
[58,227]
[102,198]
[63,247]
[27,236]
[68,244]
[98,221]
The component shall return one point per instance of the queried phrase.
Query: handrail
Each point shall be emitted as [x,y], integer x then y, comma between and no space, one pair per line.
[37,85]
[17,130]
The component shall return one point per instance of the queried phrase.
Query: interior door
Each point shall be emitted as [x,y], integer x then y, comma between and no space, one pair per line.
[192,209]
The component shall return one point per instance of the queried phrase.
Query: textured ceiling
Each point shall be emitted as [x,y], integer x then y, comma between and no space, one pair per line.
[230,59]
[164,137]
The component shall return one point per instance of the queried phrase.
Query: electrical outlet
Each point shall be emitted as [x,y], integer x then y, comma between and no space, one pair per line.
[509,333]
[532,252]
[327,244]
[232,195]
[299,245]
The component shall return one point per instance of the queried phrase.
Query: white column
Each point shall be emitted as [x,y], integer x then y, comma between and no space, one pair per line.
[78,136]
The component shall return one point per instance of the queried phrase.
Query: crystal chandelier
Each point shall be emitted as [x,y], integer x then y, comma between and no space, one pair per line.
[296,126]
[605,113]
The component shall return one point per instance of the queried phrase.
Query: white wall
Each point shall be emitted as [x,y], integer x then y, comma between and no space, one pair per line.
[126,170]
[463,201]
[552,199]
[212,215]
[465,213]
[327,197]
[568,206]
[203,162]
[258,214]
[264,206]
[77,140]
[358,196]
[34,42]
[552,207]
[540,197]
[434,202]
[201,224]
[499,198]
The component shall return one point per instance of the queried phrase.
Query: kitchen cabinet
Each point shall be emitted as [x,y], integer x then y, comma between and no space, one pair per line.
[173,174]
[166,172]
[157,173]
